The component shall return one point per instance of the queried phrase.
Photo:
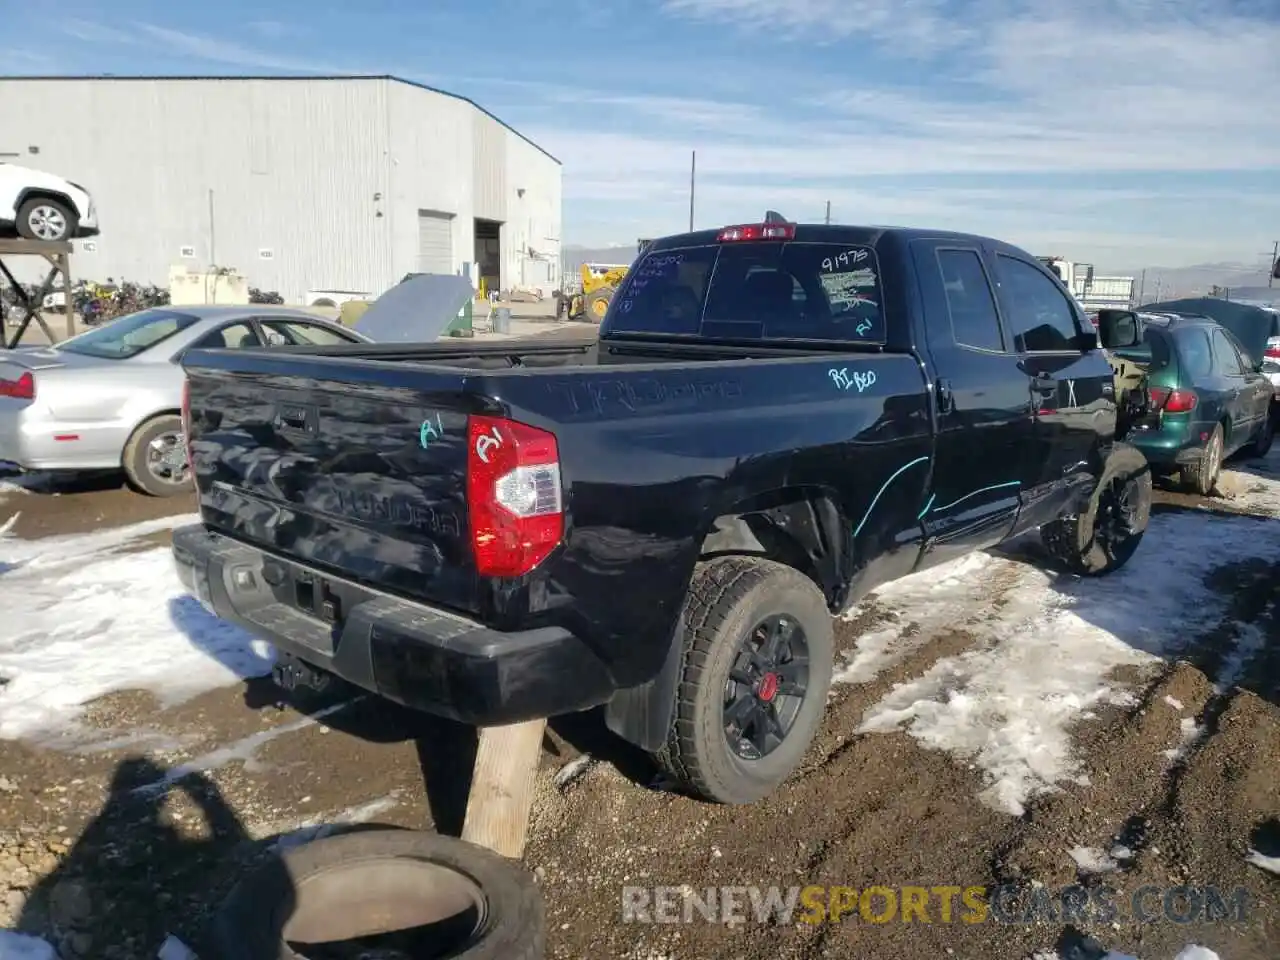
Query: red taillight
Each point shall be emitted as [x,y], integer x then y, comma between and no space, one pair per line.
[758,231]
[1173,401]
[1273,350]
[24,388]
[514,498]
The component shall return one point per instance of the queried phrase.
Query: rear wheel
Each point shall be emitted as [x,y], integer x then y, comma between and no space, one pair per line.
[1102,537]
[155,458]
[1202,475]
[756,666]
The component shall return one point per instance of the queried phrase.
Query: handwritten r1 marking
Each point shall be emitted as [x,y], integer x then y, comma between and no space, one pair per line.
[430,431]
[485,441]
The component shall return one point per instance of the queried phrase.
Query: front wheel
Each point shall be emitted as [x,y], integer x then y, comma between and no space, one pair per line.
[756,667]
[50,221]
[1102,537]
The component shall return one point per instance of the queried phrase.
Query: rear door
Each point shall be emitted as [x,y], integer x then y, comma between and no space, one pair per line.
[1071,390]
[984,418]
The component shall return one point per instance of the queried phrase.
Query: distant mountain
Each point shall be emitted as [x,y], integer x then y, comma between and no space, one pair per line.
[574,257]
[1167,283]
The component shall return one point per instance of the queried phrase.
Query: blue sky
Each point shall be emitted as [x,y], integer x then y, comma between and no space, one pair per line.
[1124,132]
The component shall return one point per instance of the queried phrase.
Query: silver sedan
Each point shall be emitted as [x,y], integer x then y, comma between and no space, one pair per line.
[111,398]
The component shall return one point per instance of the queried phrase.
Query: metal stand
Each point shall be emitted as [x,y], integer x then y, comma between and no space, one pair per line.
[58,255]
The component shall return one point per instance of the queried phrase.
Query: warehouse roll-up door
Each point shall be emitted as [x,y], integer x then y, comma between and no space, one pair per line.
[435,242]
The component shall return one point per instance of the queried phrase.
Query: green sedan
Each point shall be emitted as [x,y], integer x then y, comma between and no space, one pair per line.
[1208,397]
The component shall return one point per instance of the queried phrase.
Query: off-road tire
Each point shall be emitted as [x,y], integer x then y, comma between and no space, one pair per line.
[134,460]
[1071,539]
[23,224]
[602,296]
[727,597]
[1260,446]
[250,924]
[1202,475]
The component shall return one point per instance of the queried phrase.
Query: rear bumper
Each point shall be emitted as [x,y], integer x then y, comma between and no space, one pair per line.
[1163,450]
[416,655]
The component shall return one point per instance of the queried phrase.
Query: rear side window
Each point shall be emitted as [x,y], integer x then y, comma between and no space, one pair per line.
[1194,354]
[756,291]
[974,320]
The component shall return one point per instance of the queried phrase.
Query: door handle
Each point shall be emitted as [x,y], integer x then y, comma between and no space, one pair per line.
[1045,385]
[946,396]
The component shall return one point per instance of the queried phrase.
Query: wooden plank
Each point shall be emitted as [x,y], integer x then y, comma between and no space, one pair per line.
[502,787]
[39,248]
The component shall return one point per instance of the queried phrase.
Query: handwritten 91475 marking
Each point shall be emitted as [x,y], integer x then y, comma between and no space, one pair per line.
[846,259]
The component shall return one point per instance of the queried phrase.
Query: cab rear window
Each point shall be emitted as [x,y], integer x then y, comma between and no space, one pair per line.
[754,291]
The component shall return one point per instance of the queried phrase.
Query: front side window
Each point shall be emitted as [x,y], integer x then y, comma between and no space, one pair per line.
[1040,316]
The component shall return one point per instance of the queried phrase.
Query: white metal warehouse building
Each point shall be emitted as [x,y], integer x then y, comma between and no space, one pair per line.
[300,184]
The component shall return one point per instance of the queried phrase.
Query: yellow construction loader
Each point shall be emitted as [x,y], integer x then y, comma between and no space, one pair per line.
[599,282]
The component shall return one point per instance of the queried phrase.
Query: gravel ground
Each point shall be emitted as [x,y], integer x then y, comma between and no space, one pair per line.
[105,866]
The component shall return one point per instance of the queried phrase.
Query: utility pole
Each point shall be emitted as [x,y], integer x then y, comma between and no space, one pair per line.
[1142,287]
[693,176]
[1275,263]
[828,221]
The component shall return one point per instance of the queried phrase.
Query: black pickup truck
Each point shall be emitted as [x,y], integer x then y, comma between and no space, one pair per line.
[774,420]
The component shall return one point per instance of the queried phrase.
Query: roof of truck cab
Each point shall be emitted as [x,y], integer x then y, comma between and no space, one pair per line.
[837,233]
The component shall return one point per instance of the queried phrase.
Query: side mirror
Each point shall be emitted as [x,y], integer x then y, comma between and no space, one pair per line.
[1118,329]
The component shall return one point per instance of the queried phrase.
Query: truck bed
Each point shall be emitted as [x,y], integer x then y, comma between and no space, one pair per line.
[352,460]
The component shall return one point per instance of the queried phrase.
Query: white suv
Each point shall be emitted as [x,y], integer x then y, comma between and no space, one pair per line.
[43,206]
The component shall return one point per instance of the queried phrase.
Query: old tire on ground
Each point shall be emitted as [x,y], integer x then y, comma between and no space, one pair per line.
[155,458]
[1102,537]
[339,895]
[756,662]
[1260,446]
[42,218]
[596,304]
[1202,475]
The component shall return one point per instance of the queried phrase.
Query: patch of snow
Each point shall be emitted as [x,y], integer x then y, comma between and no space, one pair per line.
[1050,647]
[573,770]
[1176,704]
[1262,861]
[314,829]
[926,602]
[175,949]
[90,614]
[243,750]
[1093,860]
[1255,485]
[1190,952]
[19,946]
[9,525]
[1192,733]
